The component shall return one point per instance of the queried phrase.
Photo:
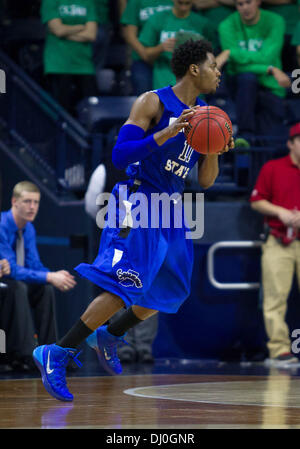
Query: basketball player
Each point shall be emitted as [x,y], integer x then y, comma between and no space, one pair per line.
[142,269]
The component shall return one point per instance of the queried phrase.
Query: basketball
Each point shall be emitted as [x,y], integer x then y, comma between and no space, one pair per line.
[209,130]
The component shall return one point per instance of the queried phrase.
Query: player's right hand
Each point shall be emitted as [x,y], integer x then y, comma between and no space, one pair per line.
[181,122]
[175,127]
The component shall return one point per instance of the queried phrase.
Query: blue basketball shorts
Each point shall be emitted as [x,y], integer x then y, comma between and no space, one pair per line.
[150,267]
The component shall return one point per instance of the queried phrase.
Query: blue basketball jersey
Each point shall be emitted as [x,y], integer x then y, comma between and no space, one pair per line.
[167,168]
[149,265]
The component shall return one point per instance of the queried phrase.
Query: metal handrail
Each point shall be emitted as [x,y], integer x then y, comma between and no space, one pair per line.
[210,265]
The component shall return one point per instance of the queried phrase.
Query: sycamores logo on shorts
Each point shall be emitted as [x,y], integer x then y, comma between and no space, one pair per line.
[129,278]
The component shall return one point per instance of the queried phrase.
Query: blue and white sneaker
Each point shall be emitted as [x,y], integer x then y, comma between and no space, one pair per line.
[52,360]
[105,345]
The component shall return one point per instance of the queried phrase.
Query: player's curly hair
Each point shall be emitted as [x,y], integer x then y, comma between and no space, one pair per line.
[190,52]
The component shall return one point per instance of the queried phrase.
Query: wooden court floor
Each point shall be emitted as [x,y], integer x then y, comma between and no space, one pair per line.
[156,401]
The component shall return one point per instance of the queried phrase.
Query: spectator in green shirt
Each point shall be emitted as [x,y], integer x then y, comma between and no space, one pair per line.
[161,32]
[288,10]
[253,38]
[134,17]
[68,62]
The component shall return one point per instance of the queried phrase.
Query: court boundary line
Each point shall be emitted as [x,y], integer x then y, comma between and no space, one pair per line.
[131,392]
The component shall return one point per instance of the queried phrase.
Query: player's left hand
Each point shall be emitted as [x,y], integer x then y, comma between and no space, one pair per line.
[228,147]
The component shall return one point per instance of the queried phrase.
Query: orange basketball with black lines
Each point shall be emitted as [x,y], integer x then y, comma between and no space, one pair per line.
[209,130]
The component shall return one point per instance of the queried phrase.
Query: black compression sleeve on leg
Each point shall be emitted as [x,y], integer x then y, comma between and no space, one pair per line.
[122,324]
[76,335]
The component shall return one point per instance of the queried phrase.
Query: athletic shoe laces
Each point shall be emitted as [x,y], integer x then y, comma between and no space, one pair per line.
[59,373]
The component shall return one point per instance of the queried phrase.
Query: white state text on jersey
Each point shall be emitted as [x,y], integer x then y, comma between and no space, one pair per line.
[176,168]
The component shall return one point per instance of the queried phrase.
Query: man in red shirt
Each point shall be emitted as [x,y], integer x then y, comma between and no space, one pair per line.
[276,195]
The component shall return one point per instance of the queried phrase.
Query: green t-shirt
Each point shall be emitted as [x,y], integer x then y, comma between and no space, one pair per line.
[137,12]
[165,25]
[290,14]
[102,11]
[62,55]
[253,48]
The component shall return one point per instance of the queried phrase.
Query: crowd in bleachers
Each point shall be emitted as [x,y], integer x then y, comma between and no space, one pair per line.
[124,47]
